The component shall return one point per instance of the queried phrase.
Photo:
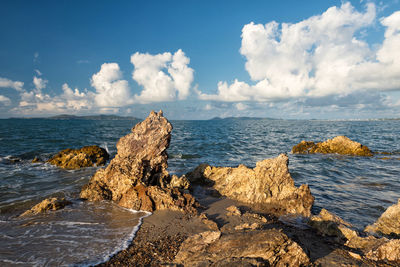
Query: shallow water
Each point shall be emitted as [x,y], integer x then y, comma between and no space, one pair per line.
[357,189]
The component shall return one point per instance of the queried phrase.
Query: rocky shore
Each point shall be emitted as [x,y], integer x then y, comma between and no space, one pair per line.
[223,216]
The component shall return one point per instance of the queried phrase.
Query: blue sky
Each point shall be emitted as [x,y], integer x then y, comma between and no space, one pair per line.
[201,59]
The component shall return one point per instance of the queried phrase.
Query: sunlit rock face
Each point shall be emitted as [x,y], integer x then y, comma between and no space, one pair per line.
[137,177]
[268,185]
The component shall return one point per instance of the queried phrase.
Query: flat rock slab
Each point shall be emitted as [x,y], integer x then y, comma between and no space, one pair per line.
[87,156]
[212,248]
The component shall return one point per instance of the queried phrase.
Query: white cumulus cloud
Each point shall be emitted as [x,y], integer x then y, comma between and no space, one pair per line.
[5,100]
[164,77]
[111,89]
[39,83]
[320,56]
[7,83]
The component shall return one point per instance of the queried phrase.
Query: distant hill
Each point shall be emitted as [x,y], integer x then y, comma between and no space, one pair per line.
[91,117]
[241,118]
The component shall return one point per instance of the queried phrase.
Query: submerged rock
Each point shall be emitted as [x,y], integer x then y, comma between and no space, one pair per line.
[46,205]
[339,145]
[87,156]
[268,185]
[388,223]
[242,248]
[137,177]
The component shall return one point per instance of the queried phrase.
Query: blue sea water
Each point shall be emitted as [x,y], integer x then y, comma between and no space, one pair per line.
[358,189]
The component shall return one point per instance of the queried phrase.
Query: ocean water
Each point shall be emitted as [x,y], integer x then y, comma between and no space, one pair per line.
[357,189]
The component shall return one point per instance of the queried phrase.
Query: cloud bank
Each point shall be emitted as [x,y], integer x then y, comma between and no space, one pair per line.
[320,56]
[163,77]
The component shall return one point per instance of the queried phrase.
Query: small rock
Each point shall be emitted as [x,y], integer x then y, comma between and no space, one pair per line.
[87,156]
[179,182]
[209,223]
[244,226]
[329,224]
[233,211]
[339,145]
[36,160]
[46,205]
[355,255]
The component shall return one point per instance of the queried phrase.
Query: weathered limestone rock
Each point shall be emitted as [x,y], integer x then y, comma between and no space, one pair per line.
[137,177]
[179,182]
[46,205]
[260,248]
[87,156]
[329,224]
[388,251]
[339,145]
[388,223]
[269,185]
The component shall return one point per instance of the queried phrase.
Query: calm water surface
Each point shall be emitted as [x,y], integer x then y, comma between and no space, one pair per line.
[357,189]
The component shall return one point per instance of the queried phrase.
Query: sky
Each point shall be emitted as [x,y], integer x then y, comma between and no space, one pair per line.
[201,59]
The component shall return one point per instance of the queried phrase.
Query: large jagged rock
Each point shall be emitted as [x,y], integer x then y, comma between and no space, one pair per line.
[87,156]
[388,223]
[339,145]
[268,185]
[252,248]
[47,205]
[137,177]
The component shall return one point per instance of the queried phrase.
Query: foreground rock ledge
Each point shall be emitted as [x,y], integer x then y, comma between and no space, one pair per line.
[87,156]
[339,145]
[253,248]
[137,177]
[268,185]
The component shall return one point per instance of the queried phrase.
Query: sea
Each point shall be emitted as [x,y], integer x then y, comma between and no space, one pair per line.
[358,189]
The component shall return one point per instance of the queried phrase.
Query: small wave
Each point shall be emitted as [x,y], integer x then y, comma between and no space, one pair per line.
[184,156]
[125,244]
[105,146]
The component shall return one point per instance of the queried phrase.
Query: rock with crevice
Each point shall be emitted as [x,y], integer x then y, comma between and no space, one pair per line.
[269,185]
[48,204]
[267,247]
[388,223]
[137,177]
[329,224]
[87,156]
[338,145]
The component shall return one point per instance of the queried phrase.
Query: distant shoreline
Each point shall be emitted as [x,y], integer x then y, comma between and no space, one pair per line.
[116,117]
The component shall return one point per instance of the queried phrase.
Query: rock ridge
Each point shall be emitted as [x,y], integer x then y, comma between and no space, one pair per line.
[137,178]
